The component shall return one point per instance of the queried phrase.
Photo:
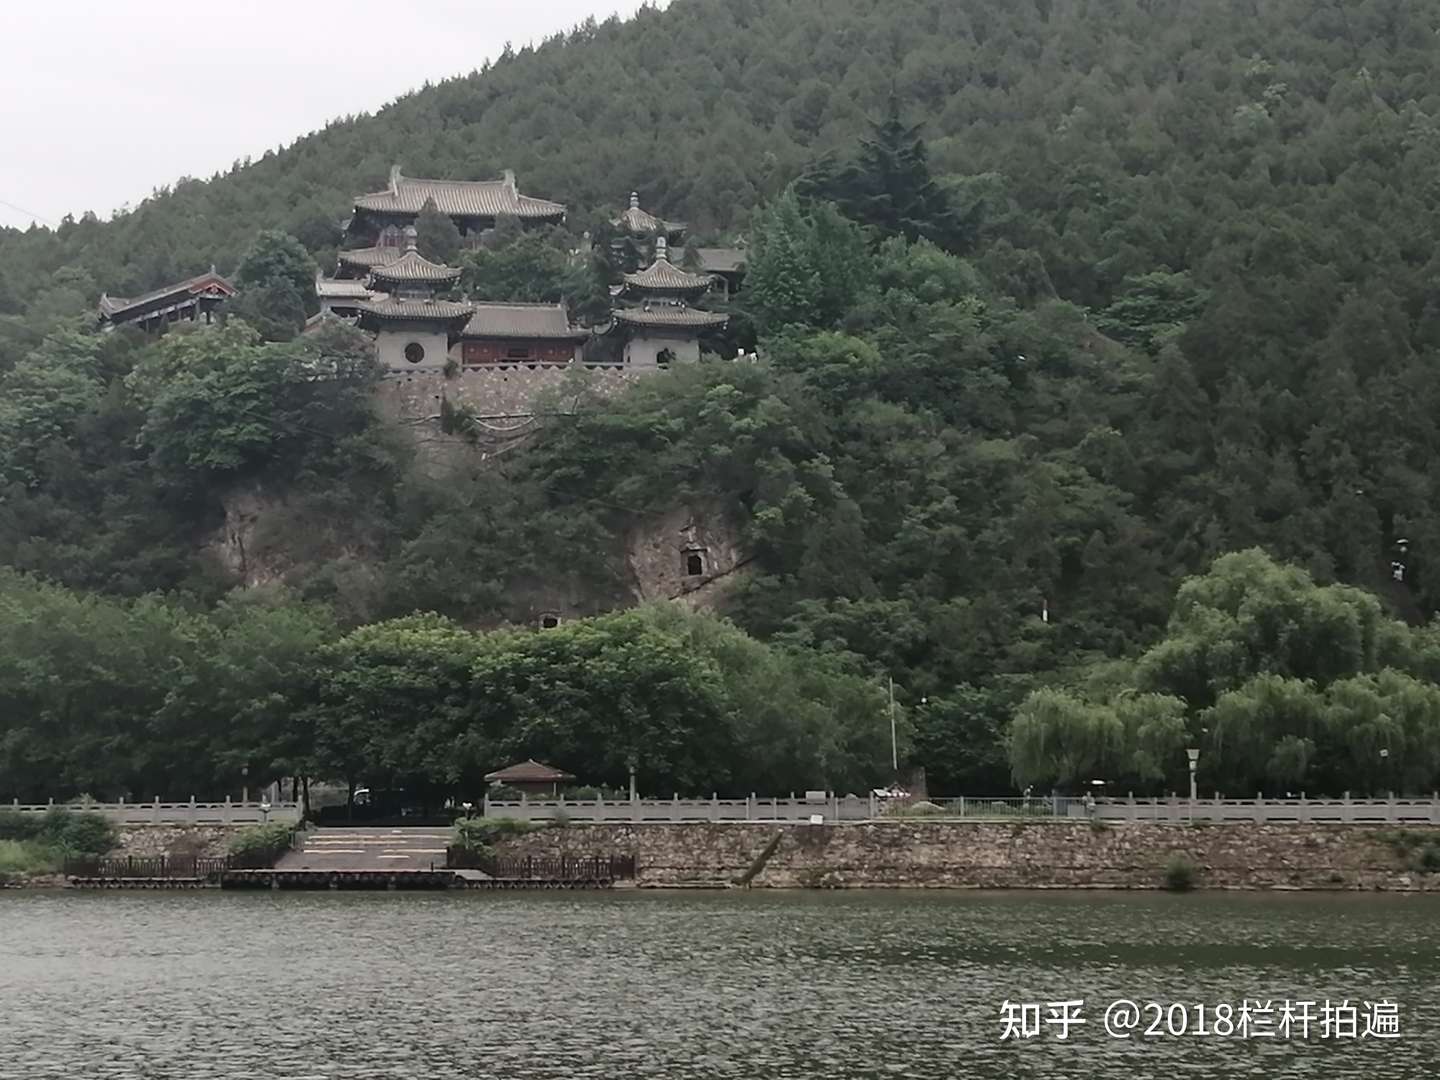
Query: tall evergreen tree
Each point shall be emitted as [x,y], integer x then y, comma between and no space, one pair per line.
[436,235]
[888,186]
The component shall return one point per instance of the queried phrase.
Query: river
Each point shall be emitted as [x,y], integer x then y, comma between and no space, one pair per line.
[691,985]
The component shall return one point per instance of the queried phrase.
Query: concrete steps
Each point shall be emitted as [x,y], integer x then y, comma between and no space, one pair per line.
[367,849]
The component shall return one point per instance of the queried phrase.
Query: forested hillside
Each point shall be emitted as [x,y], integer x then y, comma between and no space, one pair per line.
[1162,287]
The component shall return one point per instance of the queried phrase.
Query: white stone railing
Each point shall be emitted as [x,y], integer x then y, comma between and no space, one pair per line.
[156,812]
[850,808]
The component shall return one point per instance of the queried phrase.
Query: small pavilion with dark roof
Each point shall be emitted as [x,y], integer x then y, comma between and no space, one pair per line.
[530,776]
[654,316]
[414,329]
[642,223]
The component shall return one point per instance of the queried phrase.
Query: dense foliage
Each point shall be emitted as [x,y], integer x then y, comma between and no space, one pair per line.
[1066,301]
[148,698]
[32,844]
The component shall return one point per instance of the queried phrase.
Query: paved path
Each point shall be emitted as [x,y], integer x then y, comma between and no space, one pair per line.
[367,849]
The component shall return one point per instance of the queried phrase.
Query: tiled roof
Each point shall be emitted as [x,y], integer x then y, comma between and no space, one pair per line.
[113,305]
[663,274]
[371,257]
[530,771]
[415,310]
[412,267]
[529,321]
[642,221]
[721,260]
[667,315]
[459,198]
[341,289]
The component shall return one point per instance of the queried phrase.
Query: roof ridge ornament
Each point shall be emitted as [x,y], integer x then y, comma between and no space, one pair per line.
[634,200]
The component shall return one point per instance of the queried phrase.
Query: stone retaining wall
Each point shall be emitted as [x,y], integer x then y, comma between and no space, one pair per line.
[996,855]
[150,840]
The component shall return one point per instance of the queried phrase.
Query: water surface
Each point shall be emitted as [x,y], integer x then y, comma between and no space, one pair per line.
[684,986]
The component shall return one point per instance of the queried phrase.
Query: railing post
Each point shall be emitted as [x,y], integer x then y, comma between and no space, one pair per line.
[962,806]
[1435,807]
[485,804]
[749,802]
[226,818]
[191,818]
[714,806]
[1348,813]
[873,807]
[1259,807]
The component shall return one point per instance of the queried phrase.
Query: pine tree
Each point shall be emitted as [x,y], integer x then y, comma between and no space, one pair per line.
[889,187]
[436,235]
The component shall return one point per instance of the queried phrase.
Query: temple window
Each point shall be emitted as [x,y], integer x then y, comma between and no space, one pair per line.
[549,621]
[694,564]
[414,352]
[517,352]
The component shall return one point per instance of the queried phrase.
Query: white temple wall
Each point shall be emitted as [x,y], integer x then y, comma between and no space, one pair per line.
[643,350]
[391,345]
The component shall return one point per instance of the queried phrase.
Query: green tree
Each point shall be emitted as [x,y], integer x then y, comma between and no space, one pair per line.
[276,257]
[809,268]
[437,236]
[889,186]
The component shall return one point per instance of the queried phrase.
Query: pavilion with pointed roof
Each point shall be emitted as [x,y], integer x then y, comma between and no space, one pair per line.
[414,328]
[530,776]
[662,279]
[642,223]
[654,315]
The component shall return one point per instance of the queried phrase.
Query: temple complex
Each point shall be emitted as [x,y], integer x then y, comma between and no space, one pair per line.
[654,317]
[414,328]
[194,300]
[491,358]
[379,219]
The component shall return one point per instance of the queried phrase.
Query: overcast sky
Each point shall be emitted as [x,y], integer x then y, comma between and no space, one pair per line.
[101,101]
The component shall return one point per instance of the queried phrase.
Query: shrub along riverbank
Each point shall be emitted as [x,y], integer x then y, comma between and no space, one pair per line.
[36,845]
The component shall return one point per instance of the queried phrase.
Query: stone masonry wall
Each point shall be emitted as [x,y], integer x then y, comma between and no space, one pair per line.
[985,855]
[150,840]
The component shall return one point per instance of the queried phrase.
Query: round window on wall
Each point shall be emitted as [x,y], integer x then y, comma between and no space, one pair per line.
[414,352]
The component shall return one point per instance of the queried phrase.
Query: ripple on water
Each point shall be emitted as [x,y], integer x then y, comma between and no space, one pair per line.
[684,986]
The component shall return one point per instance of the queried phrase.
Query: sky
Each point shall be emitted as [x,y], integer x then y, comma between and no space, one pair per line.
[102,101]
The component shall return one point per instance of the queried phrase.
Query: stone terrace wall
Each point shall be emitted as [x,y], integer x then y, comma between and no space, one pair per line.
[149,840]
[1040,855]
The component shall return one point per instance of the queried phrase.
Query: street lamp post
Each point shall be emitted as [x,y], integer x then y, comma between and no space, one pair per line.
[1193,754]
[894,750]
[1385,769]
[245,783]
